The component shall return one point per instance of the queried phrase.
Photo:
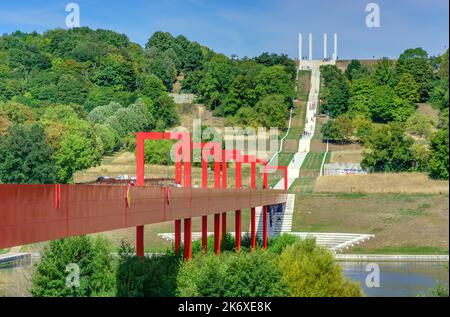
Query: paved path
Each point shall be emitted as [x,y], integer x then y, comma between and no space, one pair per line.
[305,139]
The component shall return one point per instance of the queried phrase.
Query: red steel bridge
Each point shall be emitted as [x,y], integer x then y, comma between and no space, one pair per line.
[37,213]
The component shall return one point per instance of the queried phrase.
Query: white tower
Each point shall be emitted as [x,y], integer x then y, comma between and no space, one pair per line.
[335,54]
[310,47]
[300,49]
[325,56]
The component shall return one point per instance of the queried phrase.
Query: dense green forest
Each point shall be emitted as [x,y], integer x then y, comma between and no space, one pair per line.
[68,97]
[377,106]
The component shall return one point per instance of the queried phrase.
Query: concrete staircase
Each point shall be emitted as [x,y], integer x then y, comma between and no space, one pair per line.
[281,222]
[335,242]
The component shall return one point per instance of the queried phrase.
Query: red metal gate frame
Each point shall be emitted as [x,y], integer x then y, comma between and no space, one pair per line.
[184,146]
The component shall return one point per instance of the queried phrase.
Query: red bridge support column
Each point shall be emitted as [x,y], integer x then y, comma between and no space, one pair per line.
[204,218]
[224,185]
[140,241]
[140,180]
[265,186]
[177,236]
[187,239]
[187,221]
[217,216]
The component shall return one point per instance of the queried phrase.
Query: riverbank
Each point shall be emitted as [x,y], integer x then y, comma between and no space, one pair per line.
[390,258]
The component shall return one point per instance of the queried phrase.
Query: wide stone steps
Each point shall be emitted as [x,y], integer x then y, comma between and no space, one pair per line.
[335,242]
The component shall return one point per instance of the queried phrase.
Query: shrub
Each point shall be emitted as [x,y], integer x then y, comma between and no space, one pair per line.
[231,275]
[92,255]
[310,271]
[150,277]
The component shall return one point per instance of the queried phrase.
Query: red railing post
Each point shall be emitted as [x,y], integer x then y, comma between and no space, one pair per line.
[187,148]
[140,180]
[224,186]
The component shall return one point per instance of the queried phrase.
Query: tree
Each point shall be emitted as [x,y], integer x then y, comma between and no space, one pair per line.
[336,91]
[272,112]
[93,258]
[389,150]
[407,89]
[25,157]
[154,276]
[151,86]
[383,104]
[310,271]
[161,40]
[361,98]
[214,85]
[158,152]
[336,96]
[242,94]
[338,130]
[100,114]
[416,62]
[109,137]
[165,69]
[166,111]
[115,71]
[438,165]
[355,70]
[384,73]
[274,80]
[79,149]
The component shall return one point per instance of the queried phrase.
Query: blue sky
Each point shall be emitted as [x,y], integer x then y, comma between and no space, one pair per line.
[250,27]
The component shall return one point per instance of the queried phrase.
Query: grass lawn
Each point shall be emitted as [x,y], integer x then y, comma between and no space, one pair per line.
[313,162]
[401,223]
[3,251]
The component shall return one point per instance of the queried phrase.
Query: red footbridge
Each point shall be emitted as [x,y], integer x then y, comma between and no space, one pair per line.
[37,213]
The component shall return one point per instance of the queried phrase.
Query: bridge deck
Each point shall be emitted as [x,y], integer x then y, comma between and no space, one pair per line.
[36,213]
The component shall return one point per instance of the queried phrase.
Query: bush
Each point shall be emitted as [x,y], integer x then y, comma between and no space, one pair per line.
[310,271]
[92,255]
[278,244]
[231,275]
[158,152]
[150,277]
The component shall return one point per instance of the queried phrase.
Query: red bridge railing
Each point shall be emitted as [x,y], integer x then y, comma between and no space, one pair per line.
[36,213]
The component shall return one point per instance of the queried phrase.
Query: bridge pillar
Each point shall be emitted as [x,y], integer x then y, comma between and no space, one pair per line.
[217,216]
[187,239]
[177,236]
[265,186]
[204,218]
[224,185]
[217,234]
[140,241]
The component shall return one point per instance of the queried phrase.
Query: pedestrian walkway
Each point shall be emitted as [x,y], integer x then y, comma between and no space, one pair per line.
[304,143]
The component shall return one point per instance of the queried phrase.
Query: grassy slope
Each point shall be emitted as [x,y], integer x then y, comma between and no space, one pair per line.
[401,223]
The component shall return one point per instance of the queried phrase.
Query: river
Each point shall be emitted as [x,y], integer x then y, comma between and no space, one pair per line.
[397,279]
